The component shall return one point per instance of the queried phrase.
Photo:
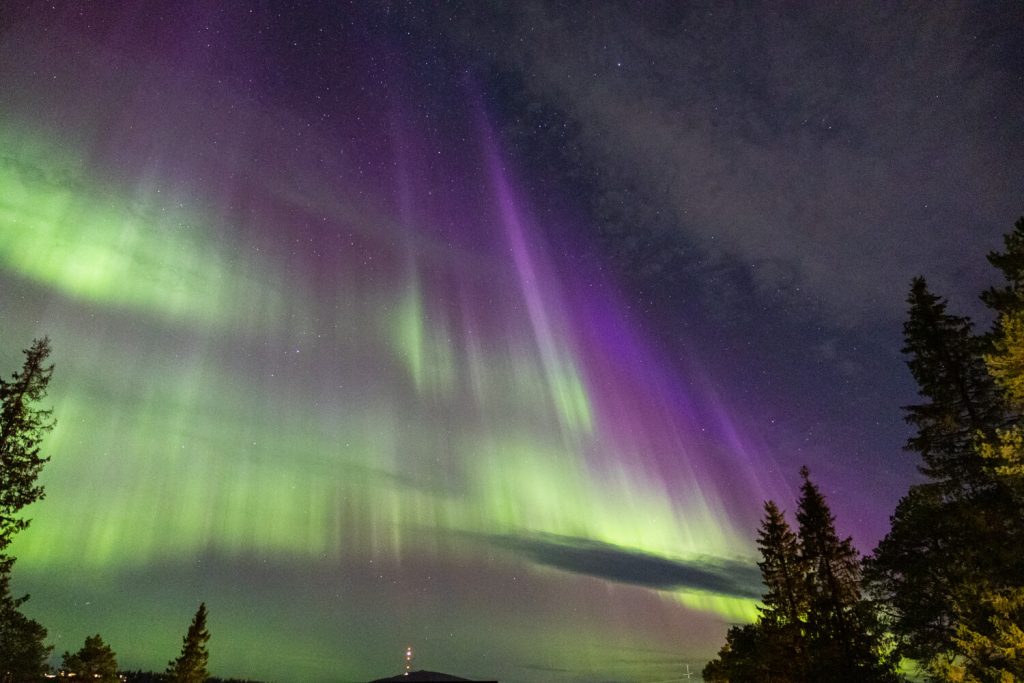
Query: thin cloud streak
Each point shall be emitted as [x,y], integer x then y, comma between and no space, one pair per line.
[720,576]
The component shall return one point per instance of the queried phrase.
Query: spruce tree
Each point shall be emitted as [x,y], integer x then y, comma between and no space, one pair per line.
[987,642]
[1010,296]
[785,604]
[772,649]
[22,428]
[1004,457]
[95,661]
[190,666]
[961,400]
[841,641]
[23,653]
[945,531]
[953,549]
[910,574]
[813,625]
[739,659]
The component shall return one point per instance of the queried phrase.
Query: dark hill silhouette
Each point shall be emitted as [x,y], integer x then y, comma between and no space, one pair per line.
[425,677]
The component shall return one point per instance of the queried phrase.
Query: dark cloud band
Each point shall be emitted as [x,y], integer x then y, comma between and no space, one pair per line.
[614,563]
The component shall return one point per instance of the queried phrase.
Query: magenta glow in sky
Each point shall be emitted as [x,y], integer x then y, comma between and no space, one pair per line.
[333,377]
[484,331]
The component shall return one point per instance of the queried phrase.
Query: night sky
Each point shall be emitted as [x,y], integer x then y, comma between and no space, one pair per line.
[480,329]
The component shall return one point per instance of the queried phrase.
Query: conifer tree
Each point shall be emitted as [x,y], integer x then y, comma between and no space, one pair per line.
[95,661]
[22,428]
[987,642]
[739,659]
[1009,297]
[911,577]
[935,549]
[190,666]
[23,653]
[1004,457]
[952,553]
[992,649]
[961,400]
[813,624]
[772,649]
[833,587]
[785,604]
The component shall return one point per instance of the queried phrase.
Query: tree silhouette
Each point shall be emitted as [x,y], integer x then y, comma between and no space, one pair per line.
[1009,297]
[22,651]
[190,666]
[22,428]
[927,563]
[961,399]
[813,624]
[949,570]
[96,661]
[739,659]
[785,604]
[841,641]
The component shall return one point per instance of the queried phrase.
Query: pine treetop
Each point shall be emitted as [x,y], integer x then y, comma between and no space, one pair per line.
[190,666]
[782,569]
[22,428]
[961,399]
[1009,297]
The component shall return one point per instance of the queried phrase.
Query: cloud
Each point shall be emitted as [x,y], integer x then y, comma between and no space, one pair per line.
[832,151]
[625,565]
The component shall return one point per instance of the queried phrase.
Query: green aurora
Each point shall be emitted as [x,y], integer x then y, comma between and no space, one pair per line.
[341,462]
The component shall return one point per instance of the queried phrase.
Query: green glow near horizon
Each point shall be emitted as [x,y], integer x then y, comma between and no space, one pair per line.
[198,422]
[238,496]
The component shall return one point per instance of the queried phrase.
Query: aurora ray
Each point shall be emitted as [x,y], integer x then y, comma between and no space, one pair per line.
[360,406]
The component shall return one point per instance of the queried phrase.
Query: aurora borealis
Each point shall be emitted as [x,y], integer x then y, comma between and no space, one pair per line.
[333,357]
